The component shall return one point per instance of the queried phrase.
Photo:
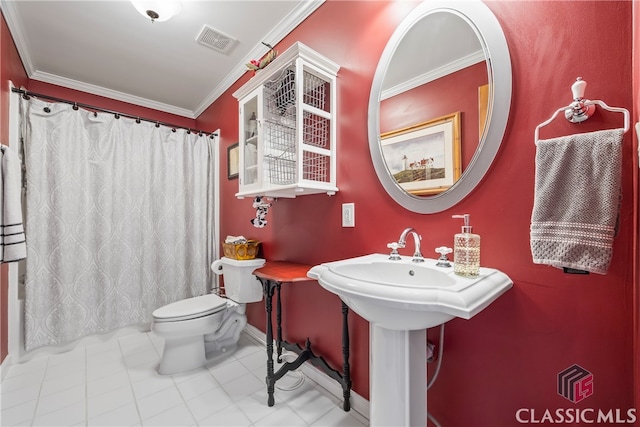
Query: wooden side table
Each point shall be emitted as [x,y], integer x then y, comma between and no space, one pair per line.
[272,275]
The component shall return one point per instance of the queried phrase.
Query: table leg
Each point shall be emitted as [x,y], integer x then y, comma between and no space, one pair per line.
[267,288]
[279,323]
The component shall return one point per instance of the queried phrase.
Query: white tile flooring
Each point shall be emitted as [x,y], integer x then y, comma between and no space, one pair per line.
[115,383]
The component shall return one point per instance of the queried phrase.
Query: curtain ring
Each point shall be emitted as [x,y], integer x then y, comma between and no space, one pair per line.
[138,120]
[116,116]
[75,106]
[188,131]
[157,124]
[47,109]
[173,130]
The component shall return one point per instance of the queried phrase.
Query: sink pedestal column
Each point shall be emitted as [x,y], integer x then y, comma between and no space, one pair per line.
[398,375]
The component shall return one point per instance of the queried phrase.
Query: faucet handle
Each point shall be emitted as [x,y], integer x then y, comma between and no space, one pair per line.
[394,251]
[443,261]
[444,251]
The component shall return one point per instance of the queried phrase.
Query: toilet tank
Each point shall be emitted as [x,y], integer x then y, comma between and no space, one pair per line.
[240,284]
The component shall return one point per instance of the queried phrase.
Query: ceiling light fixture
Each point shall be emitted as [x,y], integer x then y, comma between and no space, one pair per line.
[159,10]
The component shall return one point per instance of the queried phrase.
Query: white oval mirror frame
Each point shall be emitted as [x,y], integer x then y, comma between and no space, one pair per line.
[496,52]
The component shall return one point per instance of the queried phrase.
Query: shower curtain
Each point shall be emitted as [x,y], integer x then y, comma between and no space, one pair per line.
[119,220]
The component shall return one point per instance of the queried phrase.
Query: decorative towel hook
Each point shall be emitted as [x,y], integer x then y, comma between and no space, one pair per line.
[581,109]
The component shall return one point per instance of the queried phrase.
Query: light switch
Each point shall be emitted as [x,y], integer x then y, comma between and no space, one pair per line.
[348,215]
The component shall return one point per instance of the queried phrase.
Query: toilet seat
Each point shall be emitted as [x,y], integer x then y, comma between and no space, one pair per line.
[190,308]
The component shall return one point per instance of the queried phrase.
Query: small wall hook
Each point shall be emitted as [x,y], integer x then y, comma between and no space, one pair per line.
[581,109]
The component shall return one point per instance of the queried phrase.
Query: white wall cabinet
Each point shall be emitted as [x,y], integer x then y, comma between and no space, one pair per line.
[287,133]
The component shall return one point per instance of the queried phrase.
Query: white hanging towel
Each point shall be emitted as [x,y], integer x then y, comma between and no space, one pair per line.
[577,198]
[12,237]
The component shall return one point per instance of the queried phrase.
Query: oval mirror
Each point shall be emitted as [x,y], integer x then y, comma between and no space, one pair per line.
[439,104]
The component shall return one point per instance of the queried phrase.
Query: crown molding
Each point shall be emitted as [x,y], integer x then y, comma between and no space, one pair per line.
[452,67]
[109,93]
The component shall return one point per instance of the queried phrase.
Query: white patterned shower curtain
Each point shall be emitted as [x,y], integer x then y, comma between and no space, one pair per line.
[119,220]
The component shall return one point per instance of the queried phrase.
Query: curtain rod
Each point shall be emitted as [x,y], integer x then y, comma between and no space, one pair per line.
[26,94]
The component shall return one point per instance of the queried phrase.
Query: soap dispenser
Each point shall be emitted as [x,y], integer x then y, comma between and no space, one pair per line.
[466,250]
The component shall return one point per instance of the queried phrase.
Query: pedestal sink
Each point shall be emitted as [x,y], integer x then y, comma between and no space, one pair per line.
[401,299]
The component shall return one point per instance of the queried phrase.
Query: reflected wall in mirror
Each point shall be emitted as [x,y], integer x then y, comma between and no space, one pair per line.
[444,59]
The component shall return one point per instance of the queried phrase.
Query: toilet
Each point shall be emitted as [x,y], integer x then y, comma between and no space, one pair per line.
[200,330]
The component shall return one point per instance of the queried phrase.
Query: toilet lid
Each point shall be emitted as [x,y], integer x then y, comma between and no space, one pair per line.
[190,308]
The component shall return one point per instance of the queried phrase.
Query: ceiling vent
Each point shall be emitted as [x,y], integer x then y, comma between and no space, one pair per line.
[215,40]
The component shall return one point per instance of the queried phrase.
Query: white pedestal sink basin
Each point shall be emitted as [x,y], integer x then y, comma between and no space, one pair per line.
[401,299]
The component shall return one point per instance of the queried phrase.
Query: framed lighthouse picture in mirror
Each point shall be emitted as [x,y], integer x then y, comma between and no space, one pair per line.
[424,159]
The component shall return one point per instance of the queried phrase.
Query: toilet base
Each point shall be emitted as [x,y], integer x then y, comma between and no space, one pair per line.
[182,354]
[186,353]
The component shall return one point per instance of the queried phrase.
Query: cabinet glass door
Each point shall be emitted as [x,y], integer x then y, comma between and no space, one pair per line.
[249,154]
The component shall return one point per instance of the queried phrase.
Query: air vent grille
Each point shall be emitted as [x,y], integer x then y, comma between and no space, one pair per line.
[215,39]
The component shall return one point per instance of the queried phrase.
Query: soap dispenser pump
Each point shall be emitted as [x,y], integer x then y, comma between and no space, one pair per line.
[466,250]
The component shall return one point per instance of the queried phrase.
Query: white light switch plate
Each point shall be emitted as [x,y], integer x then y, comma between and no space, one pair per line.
[348,215]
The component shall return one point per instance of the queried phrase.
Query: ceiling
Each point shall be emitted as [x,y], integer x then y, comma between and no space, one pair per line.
[107,48]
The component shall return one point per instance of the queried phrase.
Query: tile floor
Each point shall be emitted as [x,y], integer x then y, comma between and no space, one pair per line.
[114,383]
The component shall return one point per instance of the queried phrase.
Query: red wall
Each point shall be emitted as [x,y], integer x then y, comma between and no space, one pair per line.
[10,70]
[509,355]
[636,192]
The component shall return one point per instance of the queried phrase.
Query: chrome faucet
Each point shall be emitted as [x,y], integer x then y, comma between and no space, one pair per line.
[417,255]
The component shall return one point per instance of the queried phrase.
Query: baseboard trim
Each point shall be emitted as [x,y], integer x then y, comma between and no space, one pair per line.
[358,403]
